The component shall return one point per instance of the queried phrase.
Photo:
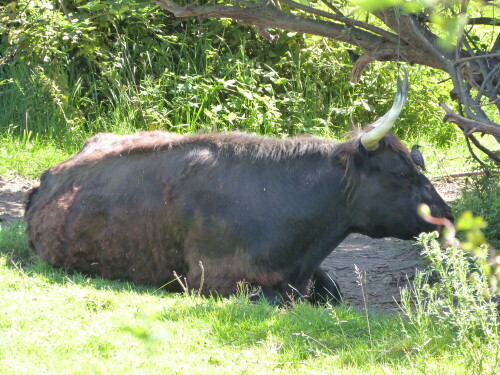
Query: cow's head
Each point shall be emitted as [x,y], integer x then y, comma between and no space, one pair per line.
[383,185]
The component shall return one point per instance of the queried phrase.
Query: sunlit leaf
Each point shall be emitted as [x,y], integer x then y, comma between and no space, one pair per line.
[374,5]
[11,6]
[280,81]
[450,27]
[468,222]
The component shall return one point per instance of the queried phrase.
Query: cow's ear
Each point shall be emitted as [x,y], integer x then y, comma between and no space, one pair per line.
[342,160]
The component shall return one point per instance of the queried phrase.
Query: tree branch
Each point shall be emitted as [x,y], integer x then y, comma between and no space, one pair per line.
[379,44]
[341,18]
[471,150]
[490,154]
[414,34]
[266,15]
[483,21]
[477,57]
[469,126]
[65,11]
[496,45]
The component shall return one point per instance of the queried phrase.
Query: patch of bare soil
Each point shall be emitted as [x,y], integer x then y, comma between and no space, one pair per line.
[385,264]
[12,194]
[383,267]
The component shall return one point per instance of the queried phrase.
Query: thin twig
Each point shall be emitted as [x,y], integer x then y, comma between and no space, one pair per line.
[333,7]
[486,82]
[184,284]
[65,11]
[476,57]
[471,150]
[202,278]
[491,155]
[17,267]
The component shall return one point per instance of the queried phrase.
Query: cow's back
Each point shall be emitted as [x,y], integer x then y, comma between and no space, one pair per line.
[141,209]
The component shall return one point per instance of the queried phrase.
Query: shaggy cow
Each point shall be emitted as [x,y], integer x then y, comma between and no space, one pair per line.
[253,210]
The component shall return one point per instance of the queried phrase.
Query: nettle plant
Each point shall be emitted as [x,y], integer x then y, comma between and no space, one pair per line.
[459,291]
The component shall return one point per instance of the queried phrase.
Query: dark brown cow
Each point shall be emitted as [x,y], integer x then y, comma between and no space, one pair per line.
[261,211]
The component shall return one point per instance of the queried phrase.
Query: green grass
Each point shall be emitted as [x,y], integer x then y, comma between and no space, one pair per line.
[59,323]
[28,157]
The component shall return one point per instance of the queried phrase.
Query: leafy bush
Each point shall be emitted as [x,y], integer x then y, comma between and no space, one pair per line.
[124,65]
[457,310]
[482,197]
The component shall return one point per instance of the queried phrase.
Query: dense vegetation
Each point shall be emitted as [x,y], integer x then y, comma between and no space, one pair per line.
[482,197]
[123,66]
[115,65]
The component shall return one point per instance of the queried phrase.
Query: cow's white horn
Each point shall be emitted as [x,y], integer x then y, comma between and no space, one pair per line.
[371,139]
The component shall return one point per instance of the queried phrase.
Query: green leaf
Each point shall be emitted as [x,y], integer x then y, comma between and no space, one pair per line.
[231,117]
[374,5]
[468,222]
[280,81]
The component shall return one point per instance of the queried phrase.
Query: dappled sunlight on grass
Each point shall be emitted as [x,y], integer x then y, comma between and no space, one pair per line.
[28,158]
[55,322]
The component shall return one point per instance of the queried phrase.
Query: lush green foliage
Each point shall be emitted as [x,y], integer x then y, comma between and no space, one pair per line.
[59,323]
[450,305]
[482,197]
[121,66]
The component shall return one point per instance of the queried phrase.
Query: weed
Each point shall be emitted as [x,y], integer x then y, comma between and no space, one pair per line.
[482,197]
[119,67]
[453,307]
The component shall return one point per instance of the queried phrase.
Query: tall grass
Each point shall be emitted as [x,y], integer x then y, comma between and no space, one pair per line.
[108,72]
[29,155]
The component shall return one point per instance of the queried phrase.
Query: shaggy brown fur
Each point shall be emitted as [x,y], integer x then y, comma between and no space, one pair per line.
[256,210]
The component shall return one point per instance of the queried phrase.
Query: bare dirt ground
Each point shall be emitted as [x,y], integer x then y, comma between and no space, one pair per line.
[12,194]
[385,264]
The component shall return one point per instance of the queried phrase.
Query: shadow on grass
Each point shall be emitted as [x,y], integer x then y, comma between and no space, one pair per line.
[15,249]
[301,332]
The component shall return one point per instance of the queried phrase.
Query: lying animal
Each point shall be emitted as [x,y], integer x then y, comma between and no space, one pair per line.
[253,210]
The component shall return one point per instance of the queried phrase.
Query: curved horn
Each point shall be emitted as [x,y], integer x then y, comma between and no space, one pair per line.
[385,123]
